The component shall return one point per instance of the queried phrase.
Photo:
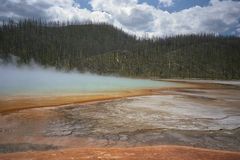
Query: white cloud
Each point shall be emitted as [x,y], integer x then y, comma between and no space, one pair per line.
[220,16]
[52,10]
[166,3]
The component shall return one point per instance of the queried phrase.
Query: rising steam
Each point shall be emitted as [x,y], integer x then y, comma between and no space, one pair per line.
[35,79]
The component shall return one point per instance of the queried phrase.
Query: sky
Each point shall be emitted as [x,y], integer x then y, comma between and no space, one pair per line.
[140,17]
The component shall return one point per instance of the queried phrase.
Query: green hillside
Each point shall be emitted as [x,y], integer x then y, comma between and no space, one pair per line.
[104,49]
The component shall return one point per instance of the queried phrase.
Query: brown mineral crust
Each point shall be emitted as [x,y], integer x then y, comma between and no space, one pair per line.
[138,153]
[14,103]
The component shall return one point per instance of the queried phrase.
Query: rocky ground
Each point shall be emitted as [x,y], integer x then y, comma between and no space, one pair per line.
[205,118]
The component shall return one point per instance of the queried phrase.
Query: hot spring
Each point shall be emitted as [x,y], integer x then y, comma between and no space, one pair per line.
[37,80]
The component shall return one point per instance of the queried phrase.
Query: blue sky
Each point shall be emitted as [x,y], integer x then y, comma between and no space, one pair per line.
[178,4]
[84,3]
[184,4]
[139,17]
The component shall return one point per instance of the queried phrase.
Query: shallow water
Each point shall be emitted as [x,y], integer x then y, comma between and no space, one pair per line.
[37,80]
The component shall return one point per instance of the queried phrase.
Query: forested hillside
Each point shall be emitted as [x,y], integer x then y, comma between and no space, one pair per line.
[104,49]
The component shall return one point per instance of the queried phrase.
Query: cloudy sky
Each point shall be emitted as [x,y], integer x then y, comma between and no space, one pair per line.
[154,17]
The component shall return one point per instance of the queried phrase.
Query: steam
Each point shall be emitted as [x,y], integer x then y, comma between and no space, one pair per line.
[35,79]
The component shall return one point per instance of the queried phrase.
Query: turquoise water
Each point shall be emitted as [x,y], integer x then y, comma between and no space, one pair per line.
[33,80]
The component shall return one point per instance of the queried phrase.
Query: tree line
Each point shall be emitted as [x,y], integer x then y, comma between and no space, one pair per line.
[105,49]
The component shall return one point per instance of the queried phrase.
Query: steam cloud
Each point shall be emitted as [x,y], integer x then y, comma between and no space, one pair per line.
[35,79]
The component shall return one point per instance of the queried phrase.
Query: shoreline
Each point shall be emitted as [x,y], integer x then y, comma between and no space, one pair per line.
[10,104]
[14,103]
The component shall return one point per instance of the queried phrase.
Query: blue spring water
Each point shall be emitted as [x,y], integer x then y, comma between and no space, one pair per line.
[31,80]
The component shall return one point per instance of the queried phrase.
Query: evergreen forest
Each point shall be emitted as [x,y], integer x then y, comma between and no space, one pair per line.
[105,49]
